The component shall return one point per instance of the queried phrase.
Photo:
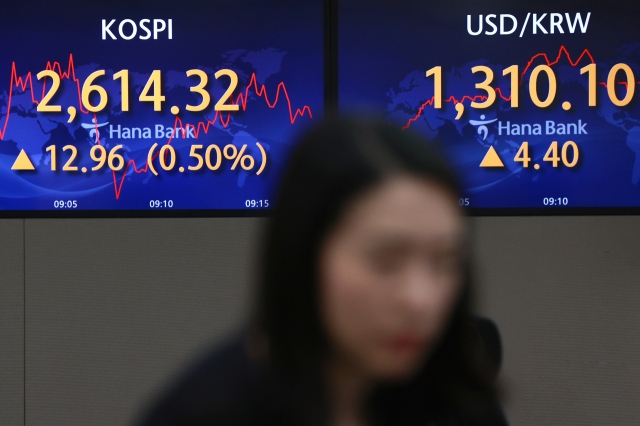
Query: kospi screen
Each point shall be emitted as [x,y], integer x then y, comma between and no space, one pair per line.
[536,103]
[153,106]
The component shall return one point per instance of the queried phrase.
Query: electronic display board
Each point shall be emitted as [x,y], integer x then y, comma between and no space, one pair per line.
[190,107]
[536,103]
[185,106]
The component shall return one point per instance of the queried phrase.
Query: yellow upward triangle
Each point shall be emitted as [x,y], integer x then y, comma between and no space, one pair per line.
[491,159]
[22,162]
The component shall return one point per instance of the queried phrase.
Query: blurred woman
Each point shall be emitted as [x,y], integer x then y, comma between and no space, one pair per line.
[362,316]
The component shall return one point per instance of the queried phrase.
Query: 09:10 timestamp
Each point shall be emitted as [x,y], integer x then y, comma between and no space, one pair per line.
[559,201]
[161,204]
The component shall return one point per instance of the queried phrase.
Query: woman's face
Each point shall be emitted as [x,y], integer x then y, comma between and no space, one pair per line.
[390,275]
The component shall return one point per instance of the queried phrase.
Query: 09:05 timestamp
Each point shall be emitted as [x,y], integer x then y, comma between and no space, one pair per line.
[65,204]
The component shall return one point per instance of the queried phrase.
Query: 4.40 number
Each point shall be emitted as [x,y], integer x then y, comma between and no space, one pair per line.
[569,154]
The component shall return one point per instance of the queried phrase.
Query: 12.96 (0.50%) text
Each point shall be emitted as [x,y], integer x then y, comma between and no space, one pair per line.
[167,158]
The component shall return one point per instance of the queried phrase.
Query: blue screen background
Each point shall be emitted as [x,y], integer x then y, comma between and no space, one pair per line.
[277,43]
[385,48]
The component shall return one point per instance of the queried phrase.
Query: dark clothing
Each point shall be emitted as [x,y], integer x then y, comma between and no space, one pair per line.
[229,388]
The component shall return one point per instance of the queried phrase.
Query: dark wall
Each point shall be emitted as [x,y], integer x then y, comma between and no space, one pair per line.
[97,315]
[113,309]
[11,322]
[565,292]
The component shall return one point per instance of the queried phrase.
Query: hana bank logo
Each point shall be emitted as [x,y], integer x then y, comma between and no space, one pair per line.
[483,130]
[159,131]
[94,133]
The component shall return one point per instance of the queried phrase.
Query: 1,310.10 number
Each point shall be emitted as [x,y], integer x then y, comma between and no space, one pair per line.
[514,73]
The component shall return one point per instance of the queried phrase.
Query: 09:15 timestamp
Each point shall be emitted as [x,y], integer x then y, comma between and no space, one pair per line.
[256,204]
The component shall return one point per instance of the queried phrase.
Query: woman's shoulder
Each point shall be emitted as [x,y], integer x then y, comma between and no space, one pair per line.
[224,387]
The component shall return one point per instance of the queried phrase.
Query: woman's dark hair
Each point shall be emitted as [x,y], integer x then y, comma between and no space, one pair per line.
[330,166]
